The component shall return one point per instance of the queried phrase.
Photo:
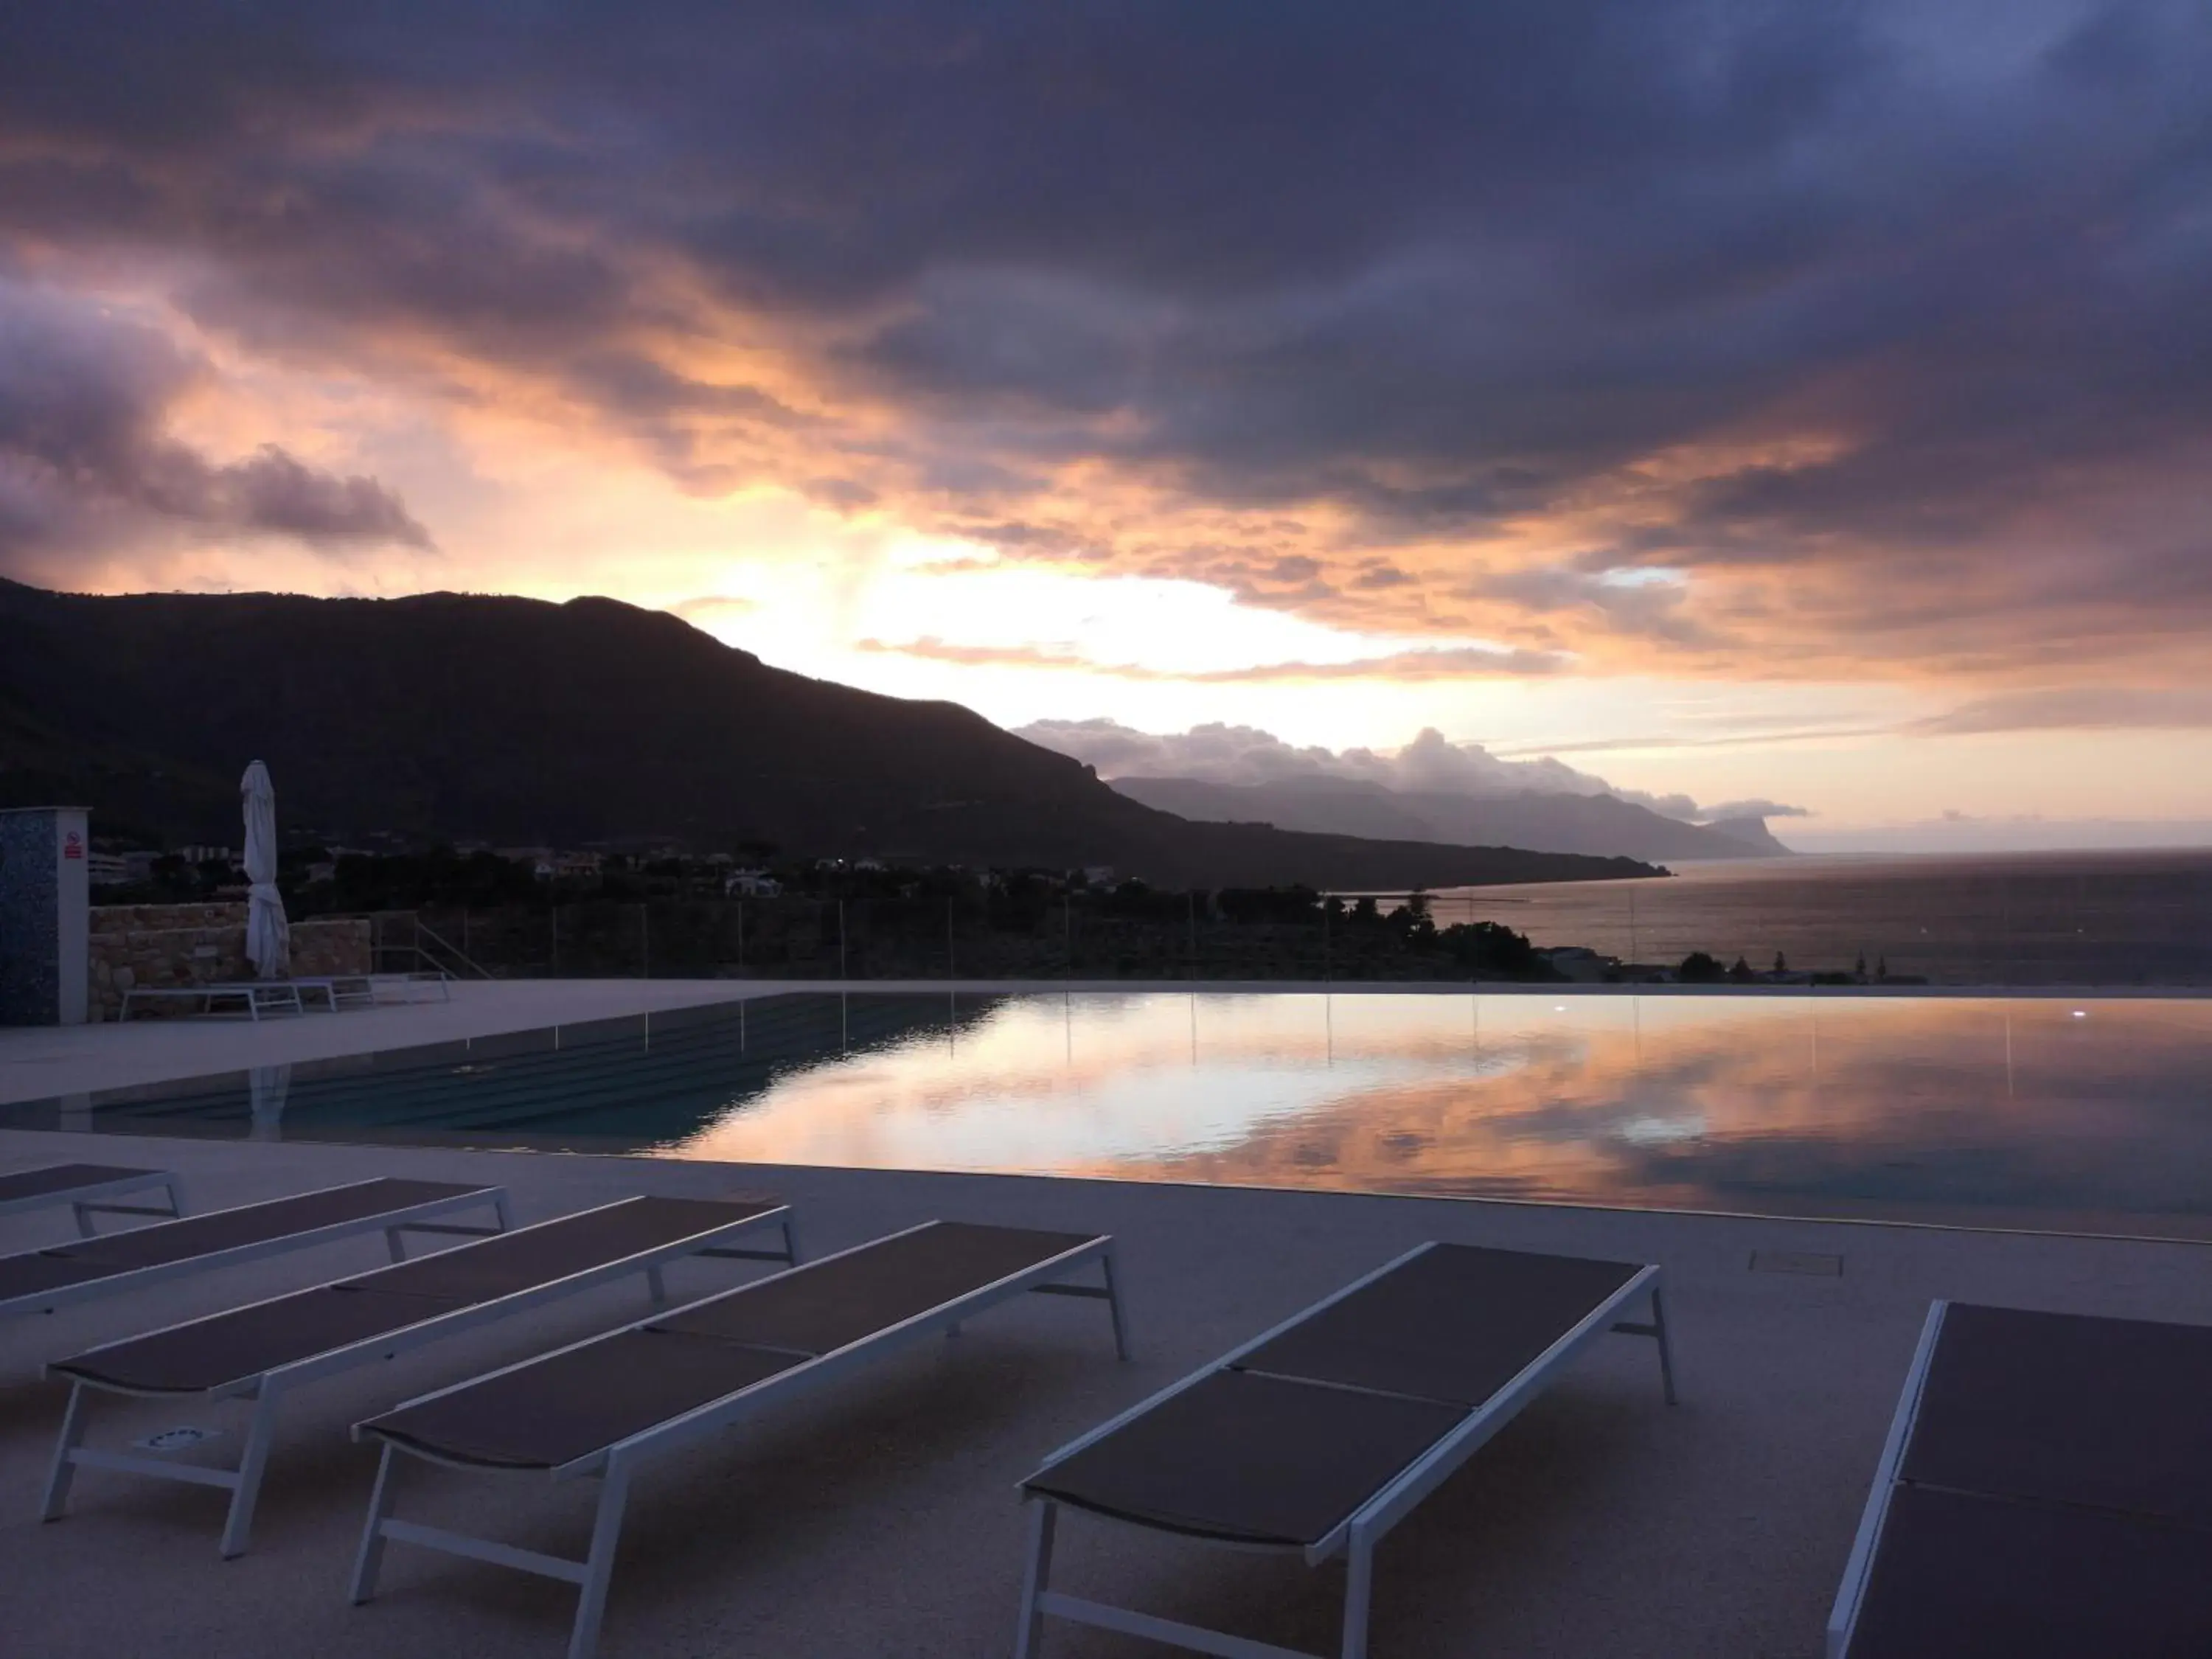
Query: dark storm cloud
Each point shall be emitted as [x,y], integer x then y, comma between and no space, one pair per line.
[1440,266]
[83,455]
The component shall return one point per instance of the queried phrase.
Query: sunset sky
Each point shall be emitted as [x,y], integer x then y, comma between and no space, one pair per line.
[1802,403]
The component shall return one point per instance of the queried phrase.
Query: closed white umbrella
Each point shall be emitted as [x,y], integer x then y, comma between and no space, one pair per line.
[268,939]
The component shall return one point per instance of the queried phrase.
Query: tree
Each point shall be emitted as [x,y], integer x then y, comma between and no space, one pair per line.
[1740,973]
[1414,919]
[1860,969]
[1781,963]
[1490,949]
[1700,968]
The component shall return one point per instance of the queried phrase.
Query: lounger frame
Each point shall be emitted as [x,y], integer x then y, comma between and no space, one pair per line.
[1356,1536]
[419,1218]
[268,1389]
[273,996]
[615,1466]
[96,1198]
[1843,1619]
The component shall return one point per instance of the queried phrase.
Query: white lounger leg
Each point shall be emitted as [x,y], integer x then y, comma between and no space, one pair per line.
[1114,1306]
[1665,1347]
[64,1468]
[85,1209]
[240,1522]
[370,1559]
[1028,1637]
[600,1565]
[1359,1592]
[1656,1330]
[656,1286]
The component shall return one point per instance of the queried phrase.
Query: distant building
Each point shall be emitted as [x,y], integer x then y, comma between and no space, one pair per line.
[108,869]
[751,884]
[207,855]
[1579,963]
[1098,875]
[568,866]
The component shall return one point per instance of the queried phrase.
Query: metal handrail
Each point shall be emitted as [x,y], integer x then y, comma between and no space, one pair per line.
[450,949]
[424,958]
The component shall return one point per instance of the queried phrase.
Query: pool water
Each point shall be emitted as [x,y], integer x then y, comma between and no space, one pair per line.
[2011,1111]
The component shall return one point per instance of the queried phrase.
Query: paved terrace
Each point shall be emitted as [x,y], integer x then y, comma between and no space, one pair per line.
[881,1518]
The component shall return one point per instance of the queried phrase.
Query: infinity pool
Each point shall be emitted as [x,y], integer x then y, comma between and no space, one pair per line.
[2024,1112]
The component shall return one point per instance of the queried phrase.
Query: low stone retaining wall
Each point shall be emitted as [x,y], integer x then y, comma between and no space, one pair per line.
[188,944]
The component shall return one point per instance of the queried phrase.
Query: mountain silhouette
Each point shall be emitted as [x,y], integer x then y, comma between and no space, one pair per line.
[450,717]
[1600,824]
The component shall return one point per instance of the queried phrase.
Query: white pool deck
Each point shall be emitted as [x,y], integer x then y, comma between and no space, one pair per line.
[882,1519]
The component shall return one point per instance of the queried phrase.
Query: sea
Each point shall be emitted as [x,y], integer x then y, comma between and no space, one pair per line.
[2114,918]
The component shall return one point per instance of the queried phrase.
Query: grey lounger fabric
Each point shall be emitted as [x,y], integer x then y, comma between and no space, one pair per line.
[57,1183]
[263,1351]
[1456,1324]
[1965,1577]
[571,1403]
[1320,1435]
[258,1224]
[89,1189]
[2060,1408]
[605,1407]
[141,1255]
[240,1345]
[1285,1442]
[1251,1458]
[227,1347]
[567,1405]
[2050,1495]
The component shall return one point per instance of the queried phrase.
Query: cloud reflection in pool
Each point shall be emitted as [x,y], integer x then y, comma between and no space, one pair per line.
[1999,1111]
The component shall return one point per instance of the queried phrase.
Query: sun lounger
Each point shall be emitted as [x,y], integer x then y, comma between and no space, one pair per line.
[1320,1435]
[89,1189]
[2045,1493]
[338,992]
[252,998]
[607,1407]
[41,1281]
[266,1350]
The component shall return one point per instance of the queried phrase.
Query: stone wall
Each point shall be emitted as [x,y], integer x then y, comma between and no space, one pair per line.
[186,944]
